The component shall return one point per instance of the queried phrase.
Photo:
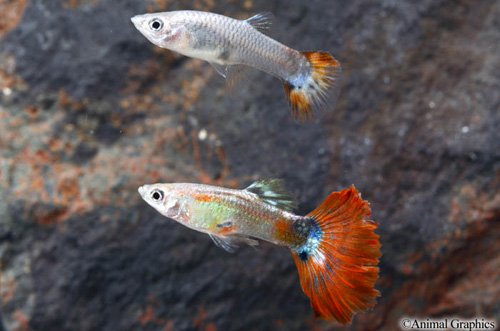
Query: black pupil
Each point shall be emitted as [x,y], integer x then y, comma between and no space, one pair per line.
[156,195]
[156,25]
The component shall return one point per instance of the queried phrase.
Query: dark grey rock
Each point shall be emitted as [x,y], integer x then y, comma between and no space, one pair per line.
[90,110]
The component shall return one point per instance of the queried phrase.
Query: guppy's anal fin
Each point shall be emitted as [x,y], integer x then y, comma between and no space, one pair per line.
[231,243]
[221,242]
[273,192]
[261,22]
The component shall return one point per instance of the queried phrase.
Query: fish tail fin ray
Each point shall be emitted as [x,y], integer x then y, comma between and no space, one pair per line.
[319,90]
[338,268]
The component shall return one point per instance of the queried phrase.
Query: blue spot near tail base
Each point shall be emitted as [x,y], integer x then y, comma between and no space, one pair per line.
[314,235]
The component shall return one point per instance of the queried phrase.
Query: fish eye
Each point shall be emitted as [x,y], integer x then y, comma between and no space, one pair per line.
[157,195]
[155,24]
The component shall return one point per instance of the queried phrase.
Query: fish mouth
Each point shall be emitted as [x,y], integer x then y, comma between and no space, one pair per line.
[141,190]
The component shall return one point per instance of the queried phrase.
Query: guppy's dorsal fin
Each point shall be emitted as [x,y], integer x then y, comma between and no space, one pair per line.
[230,243]
[261,22]
[273,192]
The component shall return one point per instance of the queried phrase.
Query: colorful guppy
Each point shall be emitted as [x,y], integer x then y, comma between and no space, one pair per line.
[334,246]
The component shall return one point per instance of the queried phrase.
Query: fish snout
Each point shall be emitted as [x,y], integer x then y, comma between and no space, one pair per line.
[141,190]
[136,20]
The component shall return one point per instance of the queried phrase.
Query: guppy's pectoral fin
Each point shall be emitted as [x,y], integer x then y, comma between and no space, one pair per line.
[231,243]
[232,73]
[273,192]
[261,22]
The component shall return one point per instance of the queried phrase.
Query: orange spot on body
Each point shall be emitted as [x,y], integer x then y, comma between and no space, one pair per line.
[282,229]
[226,230]
[203,197]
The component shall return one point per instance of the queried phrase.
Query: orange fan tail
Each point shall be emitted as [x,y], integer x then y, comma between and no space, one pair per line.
[318,90]
[338,262]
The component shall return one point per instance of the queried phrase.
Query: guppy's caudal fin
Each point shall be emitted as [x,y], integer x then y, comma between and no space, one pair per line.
[338,265]
[319,90]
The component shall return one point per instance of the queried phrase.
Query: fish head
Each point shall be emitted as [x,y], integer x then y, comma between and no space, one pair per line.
[166,30]
[170,200]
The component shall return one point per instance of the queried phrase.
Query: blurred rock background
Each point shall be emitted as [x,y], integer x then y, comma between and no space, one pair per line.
[90,110]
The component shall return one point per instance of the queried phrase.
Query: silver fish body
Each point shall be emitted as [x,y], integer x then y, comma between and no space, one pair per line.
[221,40]
[311,79]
